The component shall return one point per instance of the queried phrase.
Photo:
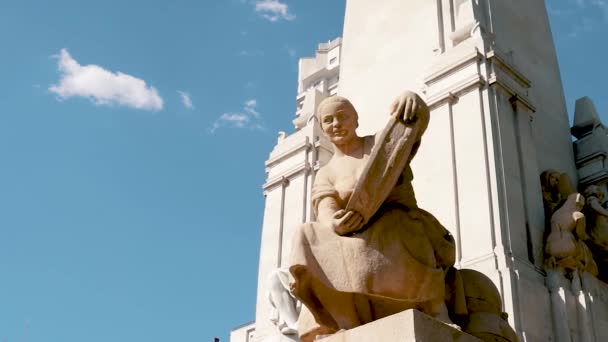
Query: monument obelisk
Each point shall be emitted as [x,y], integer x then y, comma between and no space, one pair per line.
[489,72]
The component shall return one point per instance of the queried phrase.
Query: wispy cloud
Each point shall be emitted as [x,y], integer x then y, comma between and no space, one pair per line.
[580,16]
[603,6]
[251,53]
[248,117]
[103,87]
[273,10]
[186,100]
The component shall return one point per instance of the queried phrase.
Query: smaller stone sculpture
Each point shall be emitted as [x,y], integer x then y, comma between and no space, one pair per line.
[597,228]
[565,247]
[556,187]
[285,307]
[483,316]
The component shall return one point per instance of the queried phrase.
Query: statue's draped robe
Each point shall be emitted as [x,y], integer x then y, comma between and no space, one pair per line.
[395,263]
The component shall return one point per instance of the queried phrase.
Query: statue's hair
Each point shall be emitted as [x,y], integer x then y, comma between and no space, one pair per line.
[544,178]
[333,100]
[593,190]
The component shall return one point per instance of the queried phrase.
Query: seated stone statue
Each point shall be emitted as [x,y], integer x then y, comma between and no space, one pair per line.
[349,269]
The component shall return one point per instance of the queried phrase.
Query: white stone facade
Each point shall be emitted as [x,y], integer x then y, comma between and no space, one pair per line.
[243,333]
[318,78]
[489,72]
[290,170]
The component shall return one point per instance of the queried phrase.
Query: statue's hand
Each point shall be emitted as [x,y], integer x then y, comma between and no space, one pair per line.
[345,222]
[407,106]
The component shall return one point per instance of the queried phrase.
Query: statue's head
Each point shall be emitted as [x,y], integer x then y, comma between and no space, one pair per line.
[550,180]
[338,119]
[594,191]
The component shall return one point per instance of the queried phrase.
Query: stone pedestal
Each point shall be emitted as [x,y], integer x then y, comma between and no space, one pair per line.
[406,326]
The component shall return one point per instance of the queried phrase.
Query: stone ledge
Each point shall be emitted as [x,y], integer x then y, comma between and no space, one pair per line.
[406,326]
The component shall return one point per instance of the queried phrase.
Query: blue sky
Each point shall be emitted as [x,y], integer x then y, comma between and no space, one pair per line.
[133,136]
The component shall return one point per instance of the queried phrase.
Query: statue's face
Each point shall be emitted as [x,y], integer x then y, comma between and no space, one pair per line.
[340,124]
[553,180]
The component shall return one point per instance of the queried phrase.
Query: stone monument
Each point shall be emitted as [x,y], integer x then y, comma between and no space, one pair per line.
[372,252]
[496,167]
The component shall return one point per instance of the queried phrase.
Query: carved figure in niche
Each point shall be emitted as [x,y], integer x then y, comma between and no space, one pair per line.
[285,307]
[597,227]
[373,253]
[556,187]
[565,247]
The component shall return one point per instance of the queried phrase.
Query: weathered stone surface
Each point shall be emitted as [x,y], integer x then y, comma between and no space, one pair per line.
[347,271]
[406,326]
[565,247]
[388,158]
[373,253]
[285,308]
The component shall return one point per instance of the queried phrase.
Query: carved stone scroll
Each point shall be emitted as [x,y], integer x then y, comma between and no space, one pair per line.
[387,160]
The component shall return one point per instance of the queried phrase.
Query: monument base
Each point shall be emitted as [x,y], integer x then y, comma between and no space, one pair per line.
[278,337]
[406,326]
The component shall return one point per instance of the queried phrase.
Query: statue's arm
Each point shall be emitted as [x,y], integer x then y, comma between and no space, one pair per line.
[331,214]
[326,209]
[580,231]
[594,203]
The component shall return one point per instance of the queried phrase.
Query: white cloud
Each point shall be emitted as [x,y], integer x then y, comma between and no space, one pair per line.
[249,117]
[582,17]
[103,87]
[186,100]
[250,108]
[251,53]
[603,6]
[273,10]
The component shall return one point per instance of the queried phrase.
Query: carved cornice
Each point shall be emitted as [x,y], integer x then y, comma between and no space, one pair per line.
[303,146]
[499,60]
[465,68]
[507,76]
[457,72]
[451,94]
[286,176]
[588,158]
[594,178]
[453,63]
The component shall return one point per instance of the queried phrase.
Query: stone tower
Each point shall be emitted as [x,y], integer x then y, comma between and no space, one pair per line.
[488,70]
[489,73]
[290,169]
